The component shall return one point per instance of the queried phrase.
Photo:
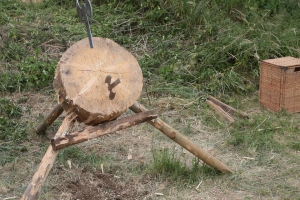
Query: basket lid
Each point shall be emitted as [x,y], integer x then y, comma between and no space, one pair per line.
[284,61]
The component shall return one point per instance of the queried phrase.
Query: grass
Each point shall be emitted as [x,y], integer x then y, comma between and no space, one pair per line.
[12,131]
[169,165]
[187,50]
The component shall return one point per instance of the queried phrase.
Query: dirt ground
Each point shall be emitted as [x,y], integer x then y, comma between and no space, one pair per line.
[126,156]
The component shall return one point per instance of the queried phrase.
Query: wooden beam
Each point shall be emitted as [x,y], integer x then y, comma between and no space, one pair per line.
[46,164]
[92,132]
[228,108]
[220,111]
[49,119]
[183,141]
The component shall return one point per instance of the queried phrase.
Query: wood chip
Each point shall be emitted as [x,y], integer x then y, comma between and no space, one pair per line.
[159,194]
[69,163]
[198,185]
[129,157]
[102,170]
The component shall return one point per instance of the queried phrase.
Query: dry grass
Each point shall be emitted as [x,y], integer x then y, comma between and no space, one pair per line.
[207,56]
[127,160]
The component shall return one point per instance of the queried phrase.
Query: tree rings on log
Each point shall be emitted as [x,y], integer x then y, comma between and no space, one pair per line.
[99,83]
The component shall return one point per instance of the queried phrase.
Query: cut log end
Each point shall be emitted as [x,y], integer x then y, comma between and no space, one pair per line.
[98,84]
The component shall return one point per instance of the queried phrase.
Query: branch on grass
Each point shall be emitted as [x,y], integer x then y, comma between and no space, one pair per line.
[220,111]
[228,108]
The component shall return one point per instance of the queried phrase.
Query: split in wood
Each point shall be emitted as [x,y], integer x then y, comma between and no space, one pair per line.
[80,84]
[224,110]
[92,132]
[111,86]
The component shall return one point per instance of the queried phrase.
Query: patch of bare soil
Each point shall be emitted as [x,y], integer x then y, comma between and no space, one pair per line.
[102,186]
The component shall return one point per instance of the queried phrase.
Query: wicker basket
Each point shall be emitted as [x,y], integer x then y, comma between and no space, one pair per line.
[280,84]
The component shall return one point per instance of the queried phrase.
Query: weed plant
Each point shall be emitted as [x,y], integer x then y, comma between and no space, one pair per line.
[211,46]
[12,132]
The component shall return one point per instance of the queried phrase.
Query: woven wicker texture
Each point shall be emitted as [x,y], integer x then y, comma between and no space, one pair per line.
[280,84]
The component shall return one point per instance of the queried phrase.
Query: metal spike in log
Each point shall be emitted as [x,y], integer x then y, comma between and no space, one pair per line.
[99,84]
[84,11]
[183,141]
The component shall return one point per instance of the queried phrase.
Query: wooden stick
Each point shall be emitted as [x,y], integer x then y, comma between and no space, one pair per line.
[183,141]
[105,128]
[47,162]
[228,108]
[49,119]
[220,111]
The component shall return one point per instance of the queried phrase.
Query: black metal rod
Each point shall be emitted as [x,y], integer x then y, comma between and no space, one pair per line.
[88,28]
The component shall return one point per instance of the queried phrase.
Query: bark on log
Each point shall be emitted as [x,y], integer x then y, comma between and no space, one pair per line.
[99,83]
[228,108]
[220,111]
[46,164]
[183,141]
[49,119]
[91,132]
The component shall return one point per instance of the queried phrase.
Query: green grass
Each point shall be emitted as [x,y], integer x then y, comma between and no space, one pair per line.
[12,131]
[211,46]
[187,50]
[168,165]
[90,160]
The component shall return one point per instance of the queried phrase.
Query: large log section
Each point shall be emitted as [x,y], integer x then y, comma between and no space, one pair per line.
[85,77]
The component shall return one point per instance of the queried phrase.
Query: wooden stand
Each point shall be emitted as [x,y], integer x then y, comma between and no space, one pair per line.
[95,86]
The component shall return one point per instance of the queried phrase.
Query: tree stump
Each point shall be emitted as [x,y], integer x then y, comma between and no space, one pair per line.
[99,83]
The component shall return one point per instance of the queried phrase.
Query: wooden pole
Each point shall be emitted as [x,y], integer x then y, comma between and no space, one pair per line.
[49,119]
[183,141]
[47,162]
[105,128]
[228,108]
[220,111]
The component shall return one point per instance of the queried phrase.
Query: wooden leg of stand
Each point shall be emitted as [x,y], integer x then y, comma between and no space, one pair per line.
[183,141]
[92,132]
[46,164]
[49,119]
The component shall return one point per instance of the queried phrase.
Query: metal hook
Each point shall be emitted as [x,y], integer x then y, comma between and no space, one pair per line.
[83,12]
